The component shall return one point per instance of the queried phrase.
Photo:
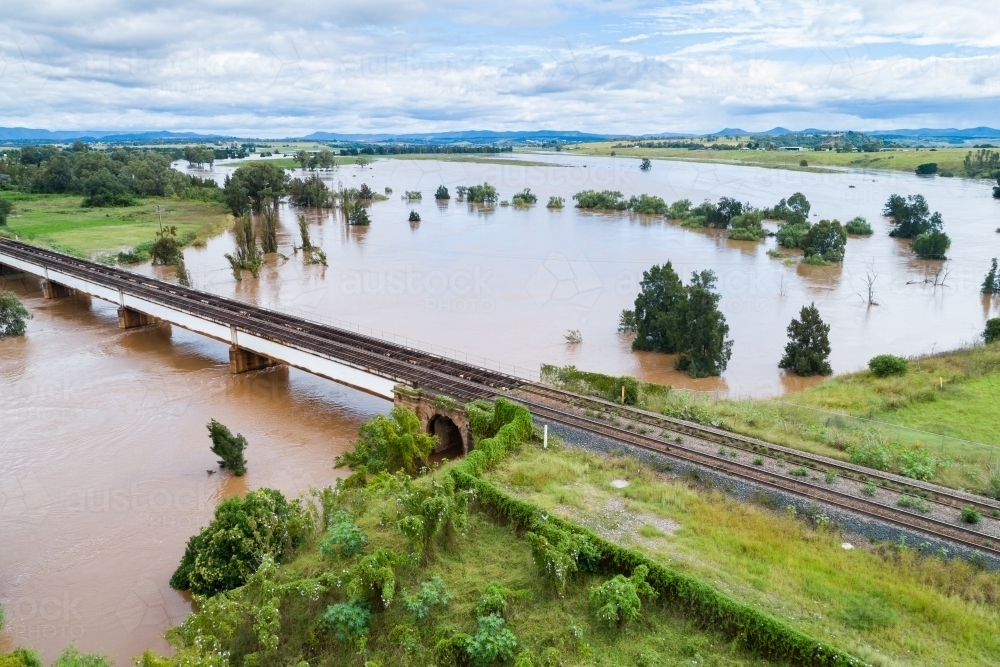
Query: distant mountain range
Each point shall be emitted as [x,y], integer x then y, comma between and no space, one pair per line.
[30,135]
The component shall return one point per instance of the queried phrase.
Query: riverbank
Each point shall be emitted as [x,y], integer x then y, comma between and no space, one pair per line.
[60,222]
[476,158]
[949,160]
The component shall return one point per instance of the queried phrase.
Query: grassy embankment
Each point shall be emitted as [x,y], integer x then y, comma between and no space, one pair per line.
[885,604]
[947,159]
[952,393]
[60,223]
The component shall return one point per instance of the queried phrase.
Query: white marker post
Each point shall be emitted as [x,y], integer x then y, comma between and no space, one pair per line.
[545,437]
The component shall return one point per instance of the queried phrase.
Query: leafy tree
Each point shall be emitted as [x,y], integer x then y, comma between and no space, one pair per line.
[826,239]
[269,229]
[927,168]
[911,216]
[647,205]
[230,549]
[524,198]
[727,209]
[165,250]
[645,165]
[618,599]
[365,192]
[931,245]
[21,657]
[390,444]
[310,192]
[992,332]
[358,216]
[799,204]
[104,189]
[304,233]
[605,200]
[254,186]
[858,226]
[747,227]
[414,216]
[792,234]
[492,643]
[481,194]
[441,193]
[808,346]
[794,210]
[555,202]
[6,209]
[72,657]
[657,311]
[228,447]
[991,285]
[303,158]
[996,190]
[705,350]
[13,315]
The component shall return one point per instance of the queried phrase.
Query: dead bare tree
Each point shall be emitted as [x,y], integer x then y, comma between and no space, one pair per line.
[869,281]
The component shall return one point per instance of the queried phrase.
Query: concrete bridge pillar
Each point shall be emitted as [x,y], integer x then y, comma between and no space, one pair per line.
[129,319]
[244,361]
[439,415]
[51,290]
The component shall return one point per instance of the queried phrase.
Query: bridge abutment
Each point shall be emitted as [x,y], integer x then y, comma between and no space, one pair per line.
[130,319]
[244,361]
[51,290]
[439,415]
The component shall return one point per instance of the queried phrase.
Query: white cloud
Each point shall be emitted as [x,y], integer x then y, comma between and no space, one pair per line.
[377,65]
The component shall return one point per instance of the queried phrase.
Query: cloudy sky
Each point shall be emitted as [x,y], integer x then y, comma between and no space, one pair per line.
[295,66]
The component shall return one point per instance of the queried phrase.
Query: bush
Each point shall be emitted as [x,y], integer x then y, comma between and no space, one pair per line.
[414,216]
[927,168]
[992,331]
[858,226]
[344,538]
[790,235]
[432,593]
[555,202]
[884,365]
[991,283]
[524,198]
[931,245]
[228,447]
[647,205]
[347,620]
[494,600]
[373,578]
[645,165]
[618,599]
[605,200]
[431,513]
[243,532]
[747,227]
[971,515]
[481,194]
[492,642]
[917,464]
[871,453]
[803,163]
[72,657]
[826,238]
[13,315]
[440,193]
[913,502]
[21,657]
[413,194]
[390,444]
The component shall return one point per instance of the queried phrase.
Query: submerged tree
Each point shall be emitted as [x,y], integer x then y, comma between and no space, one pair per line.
[304,232]
[705,349]
[248,256]
[441,193]
[165,249]
[390,444]
[228,447]
[991,284]
[826,239]
[655,318]
[269,229]
[911,216]
[645,165]
[808,346]
[13,315]
[255,186]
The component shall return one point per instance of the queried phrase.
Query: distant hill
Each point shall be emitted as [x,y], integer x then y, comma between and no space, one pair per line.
[27,134]
[970,133]
[472,136]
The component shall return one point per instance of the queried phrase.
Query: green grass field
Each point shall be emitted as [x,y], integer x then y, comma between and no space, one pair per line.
[947,159]
[60,223]
[886,605]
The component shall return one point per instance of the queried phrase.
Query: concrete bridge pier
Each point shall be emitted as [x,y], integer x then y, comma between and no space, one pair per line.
[51,290]
[439,415]
[244,361]
[130,319]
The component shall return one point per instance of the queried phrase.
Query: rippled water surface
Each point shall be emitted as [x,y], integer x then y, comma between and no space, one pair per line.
[102,432]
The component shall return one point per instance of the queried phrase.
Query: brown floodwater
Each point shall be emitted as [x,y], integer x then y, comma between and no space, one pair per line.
[103,447]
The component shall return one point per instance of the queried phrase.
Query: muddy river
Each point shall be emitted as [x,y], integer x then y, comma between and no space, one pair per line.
[103,474]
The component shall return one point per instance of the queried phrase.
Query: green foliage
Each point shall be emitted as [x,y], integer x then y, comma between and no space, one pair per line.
[858,226]
[679,209]
[524,198]
[248,256]
[414,216]
[229,550]
[6,210]
[561,553]
[808,346]
[255,186]
[343,538]
[927,168]
[626,390]
[793,210]
[492,643]
[311,192]
[747,227]
[393,443]
[618,599]
[21,657]
[13,315]
[269,229]
[104,189]
[626,321]
[911,216]
[990,334]
[871,452]
[430,513]
[347,621]
[304,233]
[413,194]
[931,245]
[555,202]
[645,165]
[605,200]
[826,239]
[885,365]
[497,431]
[647,205]
[991,284]
[970,515]
[373,578]
[658,314]
[494,600]
[72,657]
[480,194]
[441,193]
[705,350]
[869,614]
[792,234]
[913,502]
[358,216]
[917,463]
[432,593]
[165,249]
[228,447]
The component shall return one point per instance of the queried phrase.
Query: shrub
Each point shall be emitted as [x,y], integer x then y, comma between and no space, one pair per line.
[390,444]
[991,283]
[373,578]
[626,390]
[524,198]
[647,205]
[21,657]
[831,476]
[492,642]
[494,600]
[618,599]
[971,515]
[884,365]
[826,238]
[414,216]
[913,502]
[440,193]
[559,554]
[747,227]
[13,315]
[927,168]
[871,452]
[917,463]
[344,538]
[869,489]
[413,194]
[803,163]
[992,331]
[438,511]
[790,235]
[605,200]
[432,593]
[347,621]
[228,447]
[481,194]
[645,165]
[931,245]
[555,202]
[858,226]
[242,533]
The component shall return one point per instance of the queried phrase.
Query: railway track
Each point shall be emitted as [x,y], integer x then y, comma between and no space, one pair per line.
[468,382]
